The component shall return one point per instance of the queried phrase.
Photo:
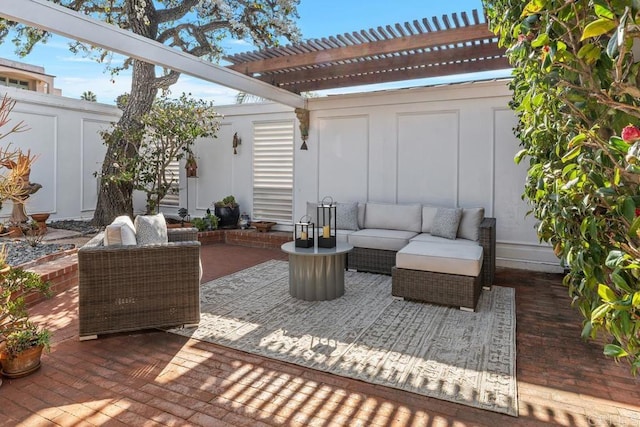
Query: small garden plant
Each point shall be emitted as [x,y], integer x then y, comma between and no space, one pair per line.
[228,201]
[16,330]
[207,223]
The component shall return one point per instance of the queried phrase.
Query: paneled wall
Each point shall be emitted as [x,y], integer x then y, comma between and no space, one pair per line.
[450,145]
[220,171]
[64,134]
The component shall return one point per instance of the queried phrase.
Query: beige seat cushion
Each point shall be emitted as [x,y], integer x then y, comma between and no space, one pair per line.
[393,216]
[469,227]
[463,260]
[343,235]
[428,215]
[374,238]
[426,237]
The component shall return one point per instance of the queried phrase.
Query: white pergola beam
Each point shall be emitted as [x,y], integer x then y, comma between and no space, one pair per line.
[66,22]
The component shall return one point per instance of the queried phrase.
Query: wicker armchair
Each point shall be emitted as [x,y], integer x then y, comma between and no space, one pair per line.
[126,288]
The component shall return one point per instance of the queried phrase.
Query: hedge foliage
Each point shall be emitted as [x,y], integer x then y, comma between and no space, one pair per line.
[575,84]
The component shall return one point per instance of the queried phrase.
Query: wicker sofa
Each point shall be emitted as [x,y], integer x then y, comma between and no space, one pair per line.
[444,273]
[134,287]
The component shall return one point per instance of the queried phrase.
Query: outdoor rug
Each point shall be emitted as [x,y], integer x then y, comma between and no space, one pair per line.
[445,353]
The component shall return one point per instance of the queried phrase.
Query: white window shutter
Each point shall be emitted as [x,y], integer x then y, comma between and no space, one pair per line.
[273,172]
[172,174]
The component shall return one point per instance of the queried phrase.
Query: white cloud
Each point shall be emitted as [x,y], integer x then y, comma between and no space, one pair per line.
[215,93]
[74,59]
[106,91]
[238,42]
[57,43]
[241,42]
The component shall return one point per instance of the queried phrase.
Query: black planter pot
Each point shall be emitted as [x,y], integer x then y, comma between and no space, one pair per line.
[228,216]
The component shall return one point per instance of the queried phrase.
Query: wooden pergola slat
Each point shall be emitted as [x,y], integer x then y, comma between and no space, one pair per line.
[467,53]
[388,76]
[422,48]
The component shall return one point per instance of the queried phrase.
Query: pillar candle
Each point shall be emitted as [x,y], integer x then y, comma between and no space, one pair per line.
[303,235]
[325,232]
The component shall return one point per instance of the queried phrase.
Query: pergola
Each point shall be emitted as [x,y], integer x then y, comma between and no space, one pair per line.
[426,48]
[413,50]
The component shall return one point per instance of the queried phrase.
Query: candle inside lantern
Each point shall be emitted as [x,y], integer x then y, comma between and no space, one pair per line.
[303,235]
[325,232]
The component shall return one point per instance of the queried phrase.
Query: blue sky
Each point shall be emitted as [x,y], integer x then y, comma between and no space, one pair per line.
[318,18]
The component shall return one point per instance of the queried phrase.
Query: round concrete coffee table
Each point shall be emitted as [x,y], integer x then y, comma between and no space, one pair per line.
[316,274]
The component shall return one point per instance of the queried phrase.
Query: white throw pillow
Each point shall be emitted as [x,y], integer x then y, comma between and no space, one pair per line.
[151,229]
[470,223]
[446,222]
[120,232]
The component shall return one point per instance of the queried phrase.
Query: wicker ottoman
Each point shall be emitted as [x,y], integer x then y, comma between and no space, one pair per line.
[439,273]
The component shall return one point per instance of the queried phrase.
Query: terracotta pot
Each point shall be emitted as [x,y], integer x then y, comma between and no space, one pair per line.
[41,219]
[23,364]
[14,231]
[263,226]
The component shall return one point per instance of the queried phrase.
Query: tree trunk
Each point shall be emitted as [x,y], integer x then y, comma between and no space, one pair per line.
[116,198]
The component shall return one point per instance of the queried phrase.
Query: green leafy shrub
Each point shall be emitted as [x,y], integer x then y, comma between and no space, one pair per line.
[166,133]
[16,330]
[575,89]
[207,223]
[229,201]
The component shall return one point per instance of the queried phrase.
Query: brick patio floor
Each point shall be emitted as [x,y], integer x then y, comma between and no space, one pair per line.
[155,378]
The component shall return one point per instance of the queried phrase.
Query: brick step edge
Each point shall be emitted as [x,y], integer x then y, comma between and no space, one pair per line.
[61,269]
[248,237]
[61,272]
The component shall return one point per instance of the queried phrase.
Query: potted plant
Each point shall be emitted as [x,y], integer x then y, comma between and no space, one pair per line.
[183,213]
[41,219]
[21,341]
[208,223]
[228,211]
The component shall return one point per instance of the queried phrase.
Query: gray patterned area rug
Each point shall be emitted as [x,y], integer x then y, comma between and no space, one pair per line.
[445,353]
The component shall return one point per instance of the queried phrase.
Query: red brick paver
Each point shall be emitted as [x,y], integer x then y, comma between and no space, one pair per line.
[155,378]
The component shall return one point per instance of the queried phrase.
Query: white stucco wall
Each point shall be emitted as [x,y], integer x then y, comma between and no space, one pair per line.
[450,145]
[63,134]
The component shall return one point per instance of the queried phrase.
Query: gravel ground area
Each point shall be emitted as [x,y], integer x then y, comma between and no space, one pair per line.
[20,251]
[82,227]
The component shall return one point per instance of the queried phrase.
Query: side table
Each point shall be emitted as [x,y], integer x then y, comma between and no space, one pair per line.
[316,274]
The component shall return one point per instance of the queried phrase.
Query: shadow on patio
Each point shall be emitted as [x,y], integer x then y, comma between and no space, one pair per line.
[152,377]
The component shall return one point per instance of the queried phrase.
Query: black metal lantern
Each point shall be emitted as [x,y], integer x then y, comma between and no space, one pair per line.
[327,223]
[304,232]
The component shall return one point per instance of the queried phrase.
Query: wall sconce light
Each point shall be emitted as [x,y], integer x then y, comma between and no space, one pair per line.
[303,119]
[236,141]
